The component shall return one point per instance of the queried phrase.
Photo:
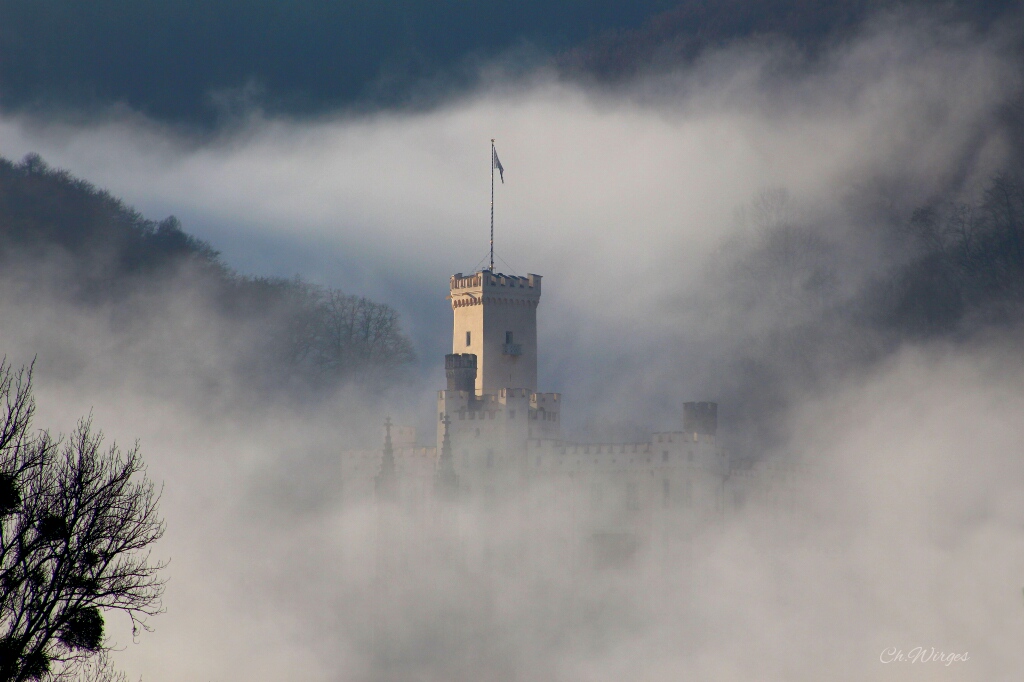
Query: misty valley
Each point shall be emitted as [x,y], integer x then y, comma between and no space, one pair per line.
[724,382]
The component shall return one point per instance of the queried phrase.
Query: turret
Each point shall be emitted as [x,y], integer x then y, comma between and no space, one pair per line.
[700,418]
[460,369]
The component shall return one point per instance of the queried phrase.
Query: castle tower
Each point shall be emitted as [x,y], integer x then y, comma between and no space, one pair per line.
[496,320]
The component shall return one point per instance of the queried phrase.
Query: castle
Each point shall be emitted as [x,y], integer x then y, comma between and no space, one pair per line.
[497,435]
[503,429]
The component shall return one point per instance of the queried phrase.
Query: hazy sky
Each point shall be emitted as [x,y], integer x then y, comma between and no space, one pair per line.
[616,196]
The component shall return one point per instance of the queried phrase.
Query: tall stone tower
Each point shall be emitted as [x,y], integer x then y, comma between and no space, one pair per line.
[496,320]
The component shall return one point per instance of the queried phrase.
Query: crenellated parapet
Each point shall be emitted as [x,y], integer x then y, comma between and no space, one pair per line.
[545,415]
[486,288]
[663,453]
[514,393]
[548,401]
[496,282]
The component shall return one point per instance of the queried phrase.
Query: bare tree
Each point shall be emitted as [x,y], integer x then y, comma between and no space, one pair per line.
[326,337]
[98,668]
[357,333]
[76,525]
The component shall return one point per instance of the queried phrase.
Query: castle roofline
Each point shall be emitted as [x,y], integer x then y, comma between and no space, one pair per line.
[487,280]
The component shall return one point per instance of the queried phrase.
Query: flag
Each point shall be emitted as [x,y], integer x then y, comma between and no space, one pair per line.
[495,163]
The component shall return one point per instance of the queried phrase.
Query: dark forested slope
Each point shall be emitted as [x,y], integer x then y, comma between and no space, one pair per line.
[69,242]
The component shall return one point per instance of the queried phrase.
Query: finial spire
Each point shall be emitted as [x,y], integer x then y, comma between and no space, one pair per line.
[446,481]
[386,477]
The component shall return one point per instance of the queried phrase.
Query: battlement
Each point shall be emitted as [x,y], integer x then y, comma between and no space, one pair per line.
[496,288]
[442,394]
[460,361]
[549,401]
[487,281]
[502,396]
[514,393]
[682,437]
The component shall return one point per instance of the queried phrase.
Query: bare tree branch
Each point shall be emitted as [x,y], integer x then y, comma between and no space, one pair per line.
[75,534]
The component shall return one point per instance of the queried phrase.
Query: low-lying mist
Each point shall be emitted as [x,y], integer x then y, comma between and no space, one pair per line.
[898,526]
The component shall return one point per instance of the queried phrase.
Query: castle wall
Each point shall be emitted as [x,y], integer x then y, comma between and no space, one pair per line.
[604,502]
[489,432]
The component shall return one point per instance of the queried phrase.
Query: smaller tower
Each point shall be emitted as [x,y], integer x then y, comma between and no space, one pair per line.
[700,418]
[460,370]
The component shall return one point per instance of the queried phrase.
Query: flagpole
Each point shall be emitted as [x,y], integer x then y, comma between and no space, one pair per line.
[492,204]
